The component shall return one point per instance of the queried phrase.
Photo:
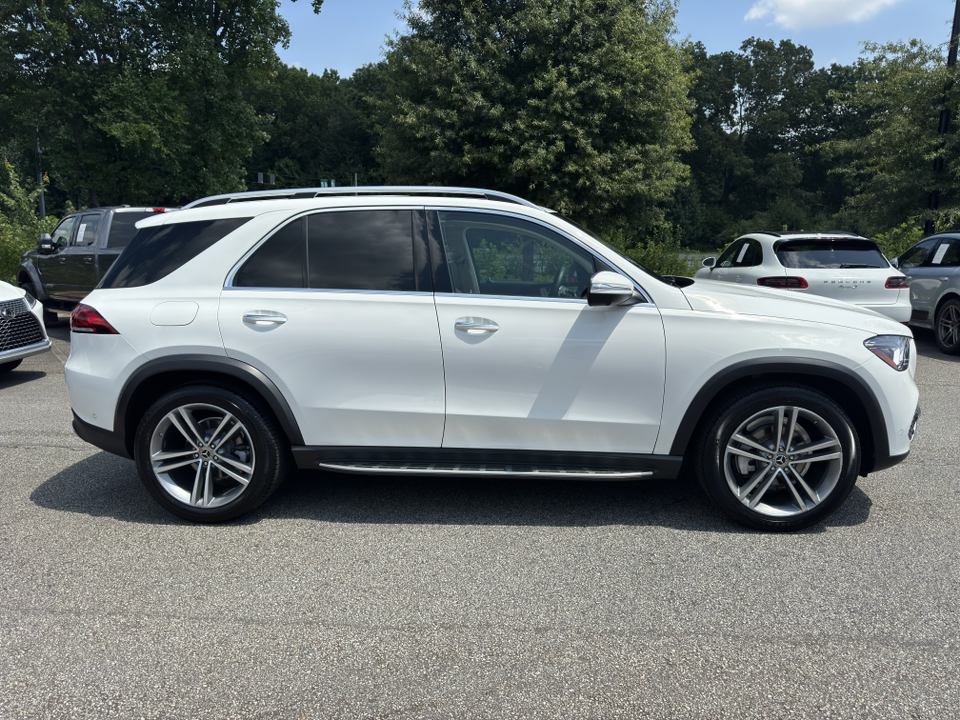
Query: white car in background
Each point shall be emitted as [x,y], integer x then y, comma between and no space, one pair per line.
[837,265]
[458,332]
[21,327]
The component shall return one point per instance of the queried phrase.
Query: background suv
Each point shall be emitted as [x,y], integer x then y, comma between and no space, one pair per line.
[933,266]
[836,264]
[68,263]
[465,332]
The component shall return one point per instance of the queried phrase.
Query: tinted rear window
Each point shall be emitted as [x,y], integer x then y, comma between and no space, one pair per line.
[830,253]
[123,227]
[155,252]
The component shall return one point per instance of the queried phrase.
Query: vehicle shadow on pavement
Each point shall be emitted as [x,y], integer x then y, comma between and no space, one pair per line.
[19,377]
[105,485]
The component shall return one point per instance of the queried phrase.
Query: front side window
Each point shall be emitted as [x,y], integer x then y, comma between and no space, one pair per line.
[917,254]
[61,235]
[731,255]
[500,255]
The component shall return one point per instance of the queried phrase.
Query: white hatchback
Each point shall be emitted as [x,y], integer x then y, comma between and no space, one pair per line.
[837,265]
[460,332]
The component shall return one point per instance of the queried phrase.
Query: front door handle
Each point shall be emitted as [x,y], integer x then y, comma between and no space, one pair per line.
[475,325]
[263,318]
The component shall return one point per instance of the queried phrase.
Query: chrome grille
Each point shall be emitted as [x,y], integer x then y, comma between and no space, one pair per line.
[18,326]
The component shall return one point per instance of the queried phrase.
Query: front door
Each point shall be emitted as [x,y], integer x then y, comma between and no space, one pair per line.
[528,364]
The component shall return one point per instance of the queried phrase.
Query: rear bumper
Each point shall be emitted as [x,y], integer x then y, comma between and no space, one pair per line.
[108,440]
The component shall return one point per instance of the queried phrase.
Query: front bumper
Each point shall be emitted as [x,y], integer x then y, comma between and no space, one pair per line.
[22,352]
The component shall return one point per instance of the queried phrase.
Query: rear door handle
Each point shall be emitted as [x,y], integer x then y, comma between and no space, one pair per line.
[262,318]
[475,325]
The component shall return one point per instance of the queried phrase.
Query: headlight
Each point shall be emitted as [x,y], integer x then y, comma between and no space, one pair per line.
[30,300]
[894,350]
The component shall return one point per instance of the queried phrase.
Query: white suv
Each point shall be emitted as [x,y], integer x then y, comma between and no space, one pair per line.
[448,331]
[835,264]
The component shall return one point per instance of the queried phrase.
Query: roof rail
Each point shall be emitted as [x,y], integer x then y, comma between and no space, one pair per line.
[349,191]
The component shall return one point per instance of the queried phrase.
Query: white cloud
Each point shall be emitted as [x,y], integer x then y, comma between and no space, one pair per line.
[799,14]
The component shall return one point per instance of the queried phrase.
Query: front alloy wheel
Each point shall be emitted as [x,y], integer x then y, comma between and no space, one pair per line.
[948,327]
[209,455]
[781,458]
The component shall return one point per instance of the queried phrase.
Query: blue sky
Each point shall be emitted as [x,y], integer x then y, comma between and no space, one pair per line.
[350,33]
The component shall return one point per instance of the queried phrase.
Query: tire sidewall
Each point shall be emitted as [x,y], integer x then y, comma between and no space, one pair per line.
[949,349]
[727,420]
[265,473]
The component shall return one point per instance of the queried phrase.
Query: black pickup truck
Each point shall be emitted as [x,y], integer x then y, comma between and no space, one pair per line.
[68,264]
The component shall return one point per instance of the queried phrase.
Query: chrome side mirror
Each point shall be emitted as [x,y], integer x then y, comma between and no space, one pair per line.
[608,288]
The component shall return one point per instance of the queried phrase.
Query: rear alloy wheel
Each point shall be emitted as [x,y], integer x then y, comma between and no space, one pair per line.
[947,326]
[209,455]
[779,458]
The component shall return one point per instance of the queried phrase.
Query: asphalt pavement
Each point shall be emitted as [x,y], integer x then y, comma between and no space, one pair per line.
[355,597]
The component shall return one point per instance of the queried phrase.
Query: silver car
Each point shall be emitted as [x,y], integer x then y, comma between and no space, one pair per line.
[933,268]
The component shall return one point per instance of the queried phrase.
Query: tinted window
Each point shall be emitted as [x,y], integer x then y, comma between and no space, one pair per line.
[729,256]
[917,254]
[499,255]
[947,255]
[87,232]
[156,252]
[835,253]
[361,250]
[123,227]
[279,263]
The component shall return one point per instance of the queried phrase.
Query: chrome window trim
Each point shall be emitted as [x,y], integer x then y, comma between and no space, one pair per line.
[548,226]
[343,291]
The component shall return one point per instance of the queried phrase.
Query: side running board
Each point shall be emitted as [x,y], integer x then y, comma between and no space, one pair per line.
[487,470]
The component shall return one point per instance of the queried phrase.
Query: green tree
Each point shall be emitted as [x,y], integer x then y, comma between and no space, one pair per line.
[20,224]
[137,101]
[580,105]
[903,88]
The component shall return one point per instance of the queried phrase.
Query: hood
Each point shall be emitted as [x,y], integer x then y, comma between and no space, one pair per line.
[733,299]
[9,292]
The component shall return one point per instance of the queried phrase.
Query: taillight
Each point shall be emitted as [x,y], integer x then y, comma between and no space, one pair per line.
[896,282]
[84,319]
[783,281]
[158,209]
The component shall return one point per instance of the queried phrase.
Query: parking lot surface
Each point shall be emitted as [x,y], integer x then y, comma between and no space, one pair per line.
[354,597]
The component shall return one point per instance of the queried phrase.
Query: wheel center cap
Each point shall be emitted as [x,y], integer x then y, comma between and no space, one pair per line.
[205,454]
[781,460]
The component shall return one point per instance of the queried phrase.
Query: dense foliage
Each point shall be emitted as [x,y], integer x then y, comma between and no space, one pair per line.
[587,106]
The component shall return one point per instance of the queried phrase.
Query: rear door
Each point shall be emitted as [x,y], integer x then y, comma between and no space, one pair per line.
[528,365]
[337,309]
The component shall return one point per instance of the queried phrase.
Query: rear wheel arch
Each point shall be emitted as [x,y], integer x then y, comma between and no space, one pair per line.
[159,377]
[844,387]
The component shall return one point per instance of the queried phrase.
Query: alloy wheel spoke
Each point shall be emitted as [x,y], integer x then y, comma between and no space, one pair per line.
[792,429]
[174,465]
[814,447]
[816,458]
[744,453]
[208,487]
[793,491]
[814,497]
[749,442]
[748,488]
[195,494]
[763,491]
[777,443]
[242,467]
[227,471]
[228,418]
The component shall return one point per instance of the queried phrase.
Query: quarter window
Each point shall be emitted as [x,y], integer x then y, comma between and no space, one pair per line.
[499,255]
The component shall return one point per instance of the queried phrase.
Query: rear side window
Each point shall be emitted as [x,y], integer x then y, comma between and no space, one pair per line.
[123,227]
[281,262]
[837,253]
[369,250]
[155,252]
[87,232]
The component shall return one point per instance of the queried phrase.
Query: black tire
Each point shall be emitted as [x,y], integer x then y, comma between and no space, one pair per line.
[49,316]
[201,481]
[8,366]
[789,488]
[946,327]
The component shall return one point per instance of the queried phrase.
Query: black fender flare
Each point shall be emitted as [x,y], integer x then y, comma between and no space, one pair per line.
[30,270]
[208,365]
[798,370]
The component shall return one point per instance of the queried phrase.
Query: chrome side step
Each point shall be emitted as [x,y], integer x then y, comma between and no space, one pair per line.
[478,469]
